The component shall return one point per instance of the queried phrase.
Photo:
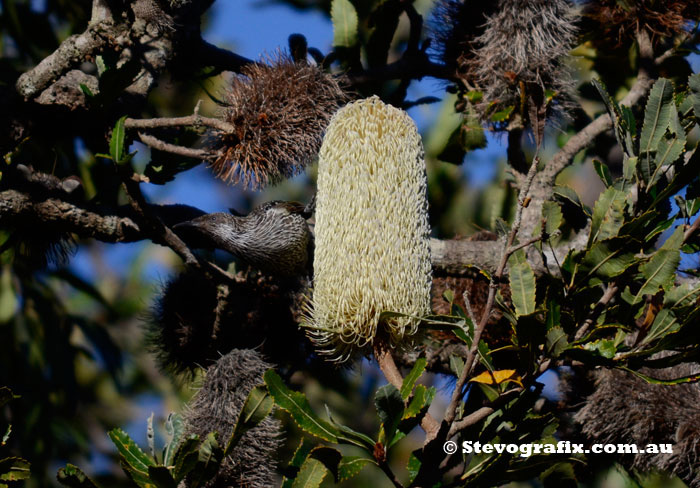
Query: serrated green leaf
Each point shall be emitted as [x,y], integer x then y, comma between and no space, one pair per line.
[209,458]
[296,404]
[629,167]
[257,407]
[14,469]
[522,283]
[664,323]
[551,212]
[300,455]
[140,478]
[657,116]
[345,22]
[608,215]
[412,377]
[603,171]
[350,436]
[174,428]
[390,408]
[350,466]
[556,341]
[413,466]
[619,118]
[185,457]
[456,365]
[681,296]
[131,453]
[73,477]
[660,270]
[311,474]
[604,347]
[329,457]
[609,258]
[116,143]
[422,398]
[656,381]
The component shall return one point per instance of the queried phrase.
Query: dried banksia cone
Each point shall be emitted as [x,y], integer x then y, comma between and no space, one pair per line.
[215,408]
[615,22]
[524,47]
[626,409]
[509,50]
[279,112]
[260,311]
[372,253]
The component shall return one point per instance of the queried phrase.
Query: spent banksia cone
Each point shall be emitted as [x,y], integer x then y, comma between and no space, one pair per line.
[372,252]
[508,49]
[279,112]
[615,22]
[215,408]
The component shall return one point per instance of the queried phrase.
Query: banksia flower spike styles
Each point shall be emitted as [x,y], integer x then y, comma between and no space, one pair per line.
[279,112]
[216,407]
[372,252]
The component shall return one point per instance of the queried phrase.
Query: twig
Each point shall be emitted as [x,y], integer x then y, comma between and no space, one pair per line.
[161,233]
[187,152]
[480,414]
[610,292]
[691,230]
[188,121]
[386,363]
[507,245]
[384,466]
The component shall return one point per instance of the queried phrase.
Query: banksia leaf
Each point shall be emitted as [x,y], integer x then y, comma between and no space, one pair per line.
[279,112]
[372,252]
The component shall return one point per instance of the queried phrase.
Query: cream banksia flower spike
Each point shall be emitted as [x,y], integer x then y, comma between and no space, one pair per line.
[372,250]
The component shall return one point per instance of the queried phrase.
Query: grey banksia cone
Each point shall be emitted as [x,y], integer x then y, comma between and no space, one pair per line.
[215,408]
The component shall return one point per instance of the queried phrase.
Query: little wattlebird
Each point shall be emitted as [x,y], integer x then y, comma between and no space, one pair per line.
[273,237]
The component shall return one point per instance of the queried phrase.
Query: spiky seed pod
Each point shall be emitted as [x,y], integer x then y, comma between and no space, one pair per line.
[279,111]
[626,409]
[524,45]
[215,408]
[372,252]
[259,312]
[617,23]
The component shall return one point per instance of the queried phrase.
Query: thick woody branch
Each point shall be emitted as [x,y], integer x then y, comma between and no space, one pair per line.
[119,225]
[69,54]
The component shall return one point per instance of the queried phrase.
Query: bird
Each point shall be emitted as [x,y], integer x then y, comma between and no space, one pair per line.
[274,237]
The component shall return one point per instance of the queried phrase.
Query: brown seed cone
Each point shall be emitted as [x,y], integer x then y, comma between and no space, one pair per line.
[616,25]
[280,111]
